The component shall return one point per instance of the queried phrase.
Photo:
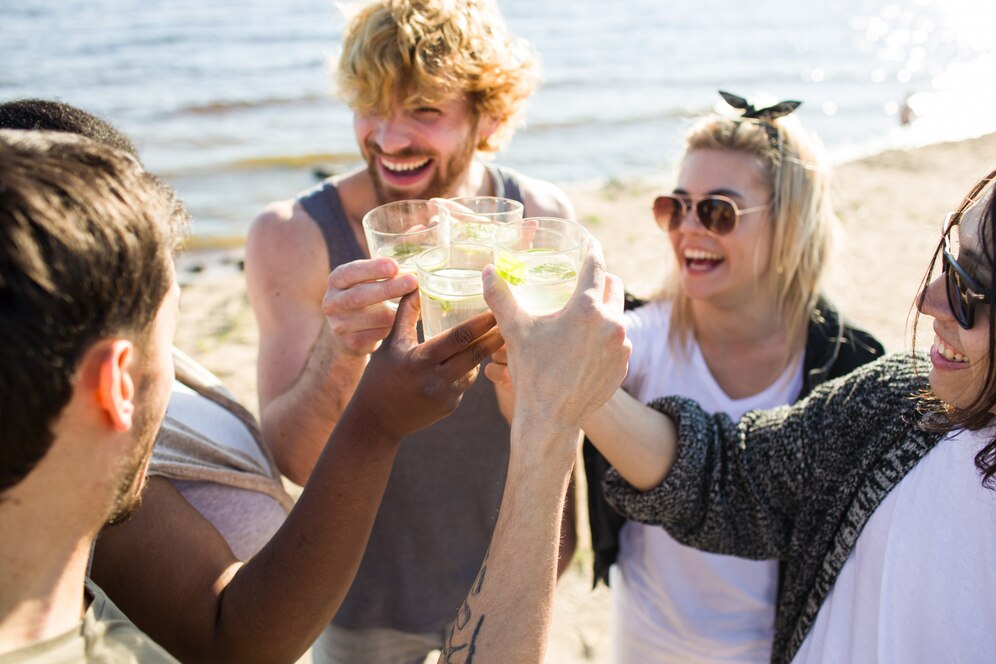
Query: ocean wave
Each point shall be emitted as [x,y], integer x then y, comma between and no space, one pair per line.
[325,161]
[677,113]
[291,161]
[222,107]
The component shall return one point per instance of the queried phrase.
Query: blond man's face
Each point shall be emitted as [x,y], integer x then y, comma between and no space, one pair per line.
[418,151]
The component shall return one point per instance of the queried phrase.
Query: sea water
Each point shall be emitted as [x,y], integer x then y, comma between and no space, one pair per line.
[232,101]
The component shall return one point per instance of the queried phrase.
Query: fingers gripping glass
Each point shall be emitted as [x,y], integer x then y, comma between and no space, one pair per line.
[963,291]
[719,215]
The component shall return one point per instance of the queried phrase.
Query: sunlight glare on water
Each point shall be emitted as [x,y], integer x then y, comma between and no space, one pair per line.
[232,102]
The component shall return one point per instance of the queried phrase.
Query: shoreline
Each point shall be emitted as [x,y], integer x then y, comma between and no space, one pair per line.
[867,192]
[889,231]
[900,139]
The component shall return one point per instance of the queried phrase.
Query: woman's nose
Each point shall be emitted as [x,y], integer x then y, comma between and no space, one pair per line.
[933,299]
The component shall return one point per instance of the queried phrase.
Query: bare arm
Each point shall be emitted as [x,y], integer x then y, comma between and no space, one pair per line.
[171,571]
[568,527]
[563,366]
[544,199]
[316,331]
[640,442]
[506,616]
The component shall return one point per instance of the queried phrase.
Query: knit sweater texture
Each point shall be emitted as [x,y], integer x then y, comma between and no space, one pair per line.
[796,483]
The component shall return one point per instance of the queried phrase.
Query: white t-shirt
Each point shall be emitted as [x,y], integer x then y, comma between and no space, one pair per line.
[672,603]
[920,584]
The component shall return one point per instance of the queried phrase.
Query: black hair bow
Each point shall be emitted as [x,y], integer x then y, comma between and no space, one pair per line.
[766,114]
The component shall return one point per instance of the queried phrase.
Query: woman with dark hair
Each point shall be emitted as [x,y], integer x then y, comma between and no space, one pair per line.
[868,491]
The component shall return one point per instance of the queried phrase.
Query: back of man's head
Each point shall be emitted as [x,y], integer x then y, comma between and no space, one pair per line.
[418,52]
[51,115]
[86,249]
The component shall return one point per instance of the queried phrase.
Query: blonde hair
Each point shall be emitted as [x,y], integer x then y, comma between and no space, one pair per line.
[797,171]
[428,51]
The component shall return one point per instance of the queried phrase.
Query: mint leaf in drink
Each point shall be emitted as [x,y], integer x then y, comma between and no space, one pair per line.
[557,270]
[475,231]
[404,251]
[444,305]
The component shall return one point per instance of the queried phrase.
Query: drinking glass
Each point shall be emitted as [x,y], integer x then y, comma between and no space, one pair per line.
[404,229]
[449,285]
[539,258]
[475,218]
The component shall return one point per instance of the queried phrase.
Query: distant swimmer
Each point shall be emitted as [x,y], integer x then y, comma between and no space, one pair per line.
[906,113]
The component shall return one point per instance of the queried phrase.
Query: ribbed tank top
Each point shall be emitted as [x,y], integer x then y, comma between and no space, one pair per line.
[439,510]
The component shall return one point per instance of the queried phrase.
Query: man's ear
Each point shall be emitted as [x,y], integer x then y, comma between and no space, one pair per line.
[487,125]
[115,386]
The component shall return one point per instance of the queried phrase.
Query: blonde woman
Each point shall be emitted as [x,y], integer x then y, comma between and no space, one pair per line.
[739,325]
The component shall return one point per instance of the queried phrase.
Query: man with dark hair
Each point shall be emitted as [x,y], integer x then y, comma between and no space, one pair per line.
[52,115]
[88,307]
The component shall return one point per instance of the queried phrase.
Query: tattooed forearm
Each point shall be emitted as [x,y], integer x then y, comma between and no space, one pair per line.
[463,653]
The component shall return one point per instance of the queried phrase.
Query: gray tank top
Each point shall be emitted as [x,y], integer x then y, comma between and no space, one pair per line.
[439,510]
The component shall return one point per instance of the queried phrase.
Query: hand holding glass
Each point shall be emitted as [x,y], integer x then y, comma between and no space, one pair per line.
[539,258]
[404,229]
[449,285]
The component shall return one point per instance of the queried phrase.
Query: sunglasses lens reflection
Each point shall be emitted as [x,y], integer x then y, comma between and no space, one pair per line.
[668,212]
[957,295]
[717,214]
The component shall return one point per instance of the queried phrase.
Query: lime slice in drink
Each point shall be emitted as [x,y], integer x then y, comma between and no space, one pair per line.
[511,269]
[444,305]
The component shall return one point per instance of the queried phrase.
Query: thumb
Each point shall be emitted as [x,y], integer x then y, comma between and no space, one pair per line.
[405,321]
[499,298]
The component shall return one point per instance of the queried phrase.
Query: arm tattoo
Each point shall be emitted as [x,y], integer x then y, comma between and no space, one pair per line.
[464,652]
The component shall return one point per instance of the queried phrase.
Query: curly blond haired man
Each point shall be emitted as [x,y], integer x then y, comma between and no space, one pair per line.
[433,85]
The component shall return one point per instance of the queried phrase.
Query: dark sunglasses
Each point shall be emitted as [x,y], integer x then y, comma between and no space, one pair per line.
[717,214]
[963,291]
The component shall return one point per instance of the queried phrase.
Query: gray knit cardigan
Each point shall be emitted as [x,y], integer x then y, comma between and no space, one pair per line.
[796,483]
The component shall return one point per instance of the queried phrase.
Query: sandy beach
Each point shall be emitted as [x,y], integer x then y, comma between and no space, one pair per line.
[890,206]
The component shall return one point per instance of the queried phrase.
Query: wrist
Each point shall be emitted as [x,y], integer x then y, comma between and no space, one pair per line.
[551,414]
[538,438]
[366,420]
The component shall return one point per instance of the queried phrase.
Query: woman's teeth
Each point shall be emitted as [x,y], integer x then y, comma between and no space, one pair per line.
[700,255]
[948,353]
[402,167]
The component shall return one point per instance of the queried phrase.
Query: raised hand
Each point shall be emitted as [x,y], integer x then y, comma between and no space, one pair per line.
[354,302]
[407,386]
[569,363]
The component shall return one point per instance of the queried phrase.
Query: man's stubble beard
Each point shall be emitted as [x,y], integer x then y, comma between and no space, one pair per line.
[443,180]
[128,496]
